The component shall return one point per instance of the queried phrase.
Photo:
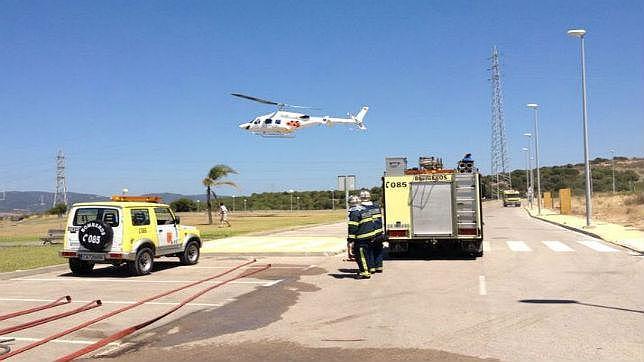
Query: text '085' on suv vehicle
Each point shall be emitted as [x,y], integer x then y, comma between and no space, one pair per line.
[129,229]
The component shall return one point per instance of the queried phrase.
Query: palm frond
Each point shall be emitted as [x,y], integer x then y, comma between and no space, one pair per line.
[220,171]
[221,183]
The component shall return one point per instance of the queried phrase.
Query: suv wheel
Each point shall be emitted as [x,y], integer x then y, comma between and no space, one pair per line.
[80,267]
[143,262]
[190,254]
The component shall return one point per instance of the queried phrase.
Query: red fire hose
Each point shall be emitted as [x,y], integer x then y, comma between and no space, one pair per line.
[91,305]
[60,301]
[115,312]
[127,331]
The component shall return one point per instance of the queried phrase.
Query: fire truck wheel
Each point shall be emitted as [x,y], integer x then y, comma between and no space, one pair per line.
[80,267]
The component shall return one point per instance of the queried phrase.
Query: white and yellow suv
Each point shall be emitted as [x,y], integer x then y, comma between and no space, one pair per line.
[129,229]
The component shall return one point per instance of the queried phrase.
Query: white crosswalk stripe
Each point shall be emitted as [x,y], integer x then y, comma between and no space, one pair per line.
[597,246]
[518,245]
[557,246]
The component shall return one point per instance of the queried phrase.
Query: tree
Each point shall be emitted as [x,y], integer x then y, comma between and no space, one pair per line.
[214,179]
[183,204]
[59,209]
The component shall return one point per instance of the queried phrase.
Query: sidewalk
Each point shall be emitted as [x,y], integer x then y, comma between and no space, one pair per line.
[617,234]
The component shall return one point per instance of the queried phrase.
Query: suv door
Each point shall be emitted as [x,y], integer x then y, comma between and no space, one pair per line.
[166,227]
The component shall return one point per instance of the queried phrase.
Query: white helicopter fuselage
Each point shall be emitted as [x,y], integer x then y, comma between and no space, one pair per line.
[284,123]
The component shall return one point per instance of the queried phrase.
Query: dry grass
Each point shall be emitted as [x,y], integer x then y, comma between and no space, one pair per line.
[624,209]
[29,229]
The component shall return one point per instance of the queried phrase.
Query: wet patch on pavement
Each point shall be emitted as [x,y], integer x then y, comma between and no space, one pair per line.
[256,309]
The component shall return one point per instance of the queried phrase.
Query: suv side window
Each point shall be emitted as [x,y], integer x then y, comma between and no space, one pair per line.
[164,216]
[140,217]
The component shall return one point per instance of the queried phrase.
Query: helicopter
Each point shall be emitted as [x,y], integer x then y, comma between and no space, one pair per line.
[283,123]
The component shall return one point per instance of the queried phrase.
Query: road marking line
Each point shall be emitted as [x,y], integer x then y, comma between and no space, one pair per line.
[597,246]
[109,302]
[68,341]
[487,246]
[557,246]
[124,280]
[310,267]
[273,283]
[482,286]
[518,245]
[227,267]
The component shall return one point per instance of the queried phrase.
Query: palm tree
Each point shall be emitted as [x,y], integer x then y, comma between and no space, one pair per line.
[214,178]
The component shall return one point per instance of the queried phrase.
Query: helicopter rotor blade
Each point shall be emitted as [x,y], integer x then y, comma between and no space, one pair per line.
[260,100]
[266,101]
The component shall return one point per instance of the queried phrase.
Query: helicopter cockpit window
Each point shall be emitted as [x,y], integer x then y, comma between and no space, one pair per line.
[278,121]
[256,121]
[268,121]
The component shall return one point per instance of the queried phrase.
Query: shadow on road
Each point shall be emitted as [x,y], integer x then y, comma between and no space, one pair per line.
[570,301]
[121,270]
[430,254]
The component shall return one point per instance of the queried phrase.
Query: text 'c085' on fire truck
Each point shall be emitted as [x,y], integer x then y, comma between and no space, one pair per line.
[430,206]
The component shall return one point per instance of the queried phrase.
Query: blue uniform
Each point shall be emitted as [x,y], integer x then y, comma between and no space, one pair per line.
[365,225]
[375,245]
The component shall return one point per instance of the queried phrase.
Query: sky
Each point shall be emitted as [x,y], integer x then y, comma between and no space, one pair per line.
[137,93]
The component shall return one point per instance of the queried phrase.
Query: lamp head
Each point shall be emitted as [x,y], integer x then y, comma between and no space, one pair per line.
[528,134]
[532,105]
[577,33]
[524,149]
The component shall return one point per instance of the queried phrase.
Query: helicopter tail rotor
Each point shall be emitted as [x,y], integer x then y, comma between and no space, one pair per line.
[359,118]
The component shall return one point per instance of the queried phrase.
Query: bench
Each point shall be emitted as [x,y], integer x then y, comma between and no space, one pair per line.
[54,236]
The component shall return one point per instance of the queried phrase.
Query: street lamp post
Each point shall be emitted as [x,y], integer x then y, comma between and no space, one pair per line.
[298,202]
[612,156]
[527,170]
[332,199]
[244,205]
[233,203]
[580,33]
[531,189]
[535,107]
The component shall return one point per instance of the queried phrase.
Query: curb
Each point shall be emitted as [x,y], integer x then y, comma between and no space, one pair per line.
[277,253]
[28,272]
[581,231]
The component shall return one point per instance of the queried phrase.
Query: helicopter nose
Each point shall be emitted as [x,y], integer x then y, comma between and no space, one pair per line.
[244,126]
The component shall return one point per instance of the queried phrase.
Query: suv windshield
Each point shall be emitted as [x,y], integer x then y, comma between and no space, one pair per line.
[86,214]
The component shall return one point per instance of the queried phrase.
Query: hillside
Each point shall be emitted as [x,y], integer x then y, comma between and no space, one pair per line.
[629,176]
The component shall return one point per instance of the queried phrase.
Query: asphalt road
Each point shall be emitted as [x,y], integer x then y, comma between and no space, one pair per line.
[540,292]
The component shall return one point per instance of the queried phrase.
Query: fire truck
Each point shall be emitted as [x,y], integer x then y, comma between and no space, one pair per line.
[428,206]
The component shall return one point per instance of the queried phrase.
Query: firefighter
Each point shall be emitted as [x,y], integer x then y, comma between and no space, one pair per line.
[359,235]
[351,255]
[375,241]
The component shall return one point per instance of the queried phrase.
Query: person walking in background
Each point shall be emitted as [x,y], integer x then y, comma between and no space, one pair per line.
[223,215]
